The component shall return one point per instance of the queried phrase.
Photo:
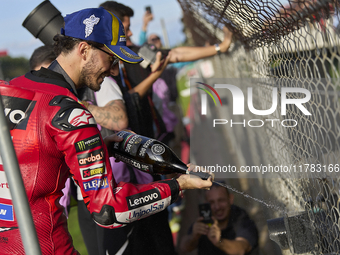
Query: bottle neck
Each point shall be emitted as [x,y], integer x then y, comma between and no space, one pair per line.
[181,168]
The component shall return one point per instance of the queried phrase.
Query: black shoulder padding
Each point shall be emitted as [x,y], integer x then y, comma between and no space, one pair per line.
[71,115]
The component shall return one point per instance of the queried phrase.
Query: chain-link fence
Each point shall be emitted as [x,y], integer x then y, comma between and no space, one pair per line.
[293,44]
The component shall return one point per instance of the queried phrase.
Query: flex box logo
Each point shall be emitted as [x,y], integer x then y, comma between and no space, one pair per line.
[96,184]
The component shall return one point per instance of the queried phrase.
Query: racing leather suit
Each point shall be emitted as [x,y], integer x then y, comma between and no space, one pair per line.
[54,136]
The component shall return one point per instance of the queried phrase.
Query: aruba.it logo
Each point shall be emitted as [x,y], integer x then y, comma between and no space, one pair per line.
[204,97]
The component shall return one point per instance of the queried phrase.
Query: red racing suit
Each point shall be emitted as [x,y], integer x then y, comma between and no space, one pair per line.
[49,128]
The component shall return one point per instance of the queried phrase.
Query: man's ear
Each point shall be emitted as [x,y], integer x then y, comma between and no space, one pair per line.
[84,50]
[231,198]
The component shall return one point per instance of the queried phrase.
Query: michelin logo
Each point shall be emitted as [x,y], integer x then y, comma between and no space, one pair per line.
[89,24]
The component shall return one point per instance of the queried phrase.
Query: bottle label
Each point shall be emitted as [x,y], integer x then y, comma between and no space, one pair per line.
[133,144]
[144,147]
[135,163]
[116,144]
[158,149]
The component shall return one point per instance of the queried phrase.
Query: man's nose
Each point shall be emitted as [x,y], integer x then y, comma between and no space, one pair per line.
[129,33]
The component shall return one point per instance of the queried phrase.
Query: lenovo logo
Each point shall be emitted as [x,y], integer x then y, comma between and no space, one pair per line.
[143,198]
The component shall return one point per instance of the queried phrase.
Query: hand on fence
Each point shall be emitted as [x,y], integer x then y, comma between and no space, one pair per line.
[228,35]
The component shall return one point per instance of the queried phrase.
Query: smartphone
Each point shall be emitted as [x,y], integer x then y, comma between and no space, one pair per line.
[205,212]
[148,9]
[148,53]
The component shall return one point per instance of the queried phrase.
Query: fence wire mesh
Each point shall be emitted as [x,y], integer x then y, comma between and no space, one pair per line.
[285,44]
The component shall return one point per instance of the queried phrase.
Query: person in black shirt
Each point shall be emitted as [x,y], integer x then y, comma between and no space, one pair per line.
[232,232]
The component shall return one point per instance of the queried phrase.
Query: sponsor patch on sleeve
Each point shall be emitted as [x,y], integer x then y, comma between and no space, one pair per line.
[143,211]
[142,199]
[95,170]
[96,184]
[95,156]
[88,143]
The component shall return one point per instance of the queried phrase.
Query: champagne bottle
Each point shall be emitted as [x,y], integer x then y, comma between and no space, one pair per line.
[149,155]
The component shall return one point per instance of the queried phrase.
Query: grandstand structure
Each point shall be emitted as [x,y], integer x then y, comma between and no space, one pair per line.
[280,44]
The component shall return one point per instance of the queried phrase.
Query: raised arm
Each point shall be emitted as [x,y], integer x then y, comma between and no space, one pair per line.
[183,54]
[156,71]
[146,19]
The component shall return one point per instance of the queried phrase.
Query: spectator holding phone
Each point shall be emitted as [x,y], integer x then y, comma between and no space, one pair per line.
[232,231]
[148,16]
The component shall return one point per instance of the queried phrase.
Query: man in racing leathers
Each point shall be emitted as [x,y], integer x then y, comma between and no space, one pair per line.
[55,136]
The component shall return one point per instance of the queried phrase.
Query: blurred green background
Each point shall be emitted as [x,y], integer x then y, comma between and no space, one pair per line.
[74,229]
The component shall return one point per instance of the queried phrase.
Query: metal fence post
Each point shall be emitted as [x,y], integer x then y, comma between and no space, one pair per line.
[17,189]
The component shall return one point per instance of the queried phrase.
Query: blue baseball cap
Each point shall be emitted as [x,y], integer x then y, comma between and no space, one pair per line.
[101,26]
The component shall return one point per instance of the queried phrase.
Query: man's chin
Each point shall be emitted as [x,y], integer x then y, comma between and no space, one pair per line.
[96,87]
[100,81]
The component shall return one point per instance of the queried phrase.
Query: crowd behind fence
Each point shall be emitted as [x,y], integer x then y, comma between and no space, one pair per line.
[284,44]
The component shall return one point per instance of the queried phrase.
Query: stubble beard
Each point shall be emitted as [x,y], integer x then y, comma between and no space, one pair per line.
[88,76]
